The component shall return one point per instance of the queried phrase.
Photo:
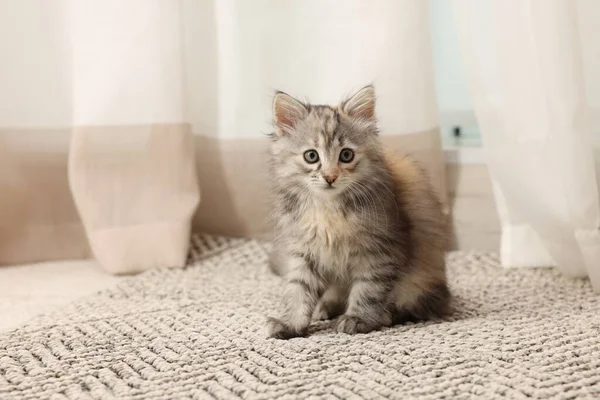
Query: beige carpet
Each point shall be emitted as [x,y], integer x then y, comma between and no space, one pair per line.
[198,333]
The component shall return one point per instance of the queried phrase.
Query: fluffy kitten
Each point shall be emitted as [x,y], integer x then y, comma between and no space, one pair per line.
[358,233]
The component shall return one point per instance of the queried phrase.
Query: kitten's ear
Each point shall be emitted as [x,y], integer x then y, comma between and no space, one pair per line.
[361,104]
[287,112]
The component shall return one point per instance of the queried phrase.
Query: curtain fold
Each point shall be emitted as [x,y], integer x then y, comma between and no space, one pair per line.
[525,66]
[131,164]
[111,99]
[38,218]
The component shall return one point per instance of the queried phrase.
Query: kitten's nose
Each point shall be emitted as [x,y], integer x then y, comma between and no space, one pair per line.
[330,179]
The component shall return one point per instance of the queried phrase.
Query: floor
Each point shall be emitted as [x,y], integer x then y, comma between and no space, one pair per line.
[29,290]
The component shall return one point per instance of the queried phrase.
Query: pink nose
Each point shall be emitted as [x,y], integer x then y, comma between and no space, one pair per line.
[330,179]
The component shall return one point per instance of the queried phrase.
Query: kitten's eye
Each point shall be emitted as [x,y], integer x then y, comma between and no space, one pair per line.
[311,156]
[346,155]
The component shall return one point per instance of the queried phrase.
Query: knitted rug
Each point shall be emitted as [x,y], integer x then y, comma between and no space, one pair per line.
[198,332]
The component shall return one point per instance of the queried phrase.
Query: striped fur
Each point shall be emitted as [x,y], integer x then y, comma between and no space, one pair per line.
[370,246]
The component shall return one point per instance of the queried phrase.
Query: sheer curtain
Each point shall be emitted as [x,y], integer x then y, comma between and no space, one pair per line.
[533,70]
[316,50]
[115,115]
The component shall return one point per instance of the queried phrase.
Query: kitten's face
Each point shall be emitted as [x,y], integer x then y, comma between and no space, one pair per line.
[323,149]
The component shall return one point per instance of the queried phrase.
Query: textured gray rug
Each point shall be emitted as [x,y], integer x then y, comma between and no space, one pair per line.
[198,333]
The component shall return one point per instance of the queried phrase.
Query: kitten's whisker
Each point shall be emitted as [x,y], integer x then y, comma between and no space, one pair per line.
[373,211]
[391,194]
[371,194]
[362,209]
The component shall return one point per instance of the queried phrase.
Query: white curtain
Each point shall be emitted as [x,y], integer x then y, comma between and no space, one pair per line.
[153,101]
[534,70]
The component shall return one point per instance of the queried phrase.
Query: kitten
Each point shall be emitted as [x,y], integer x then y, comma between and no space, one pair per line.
[359,234]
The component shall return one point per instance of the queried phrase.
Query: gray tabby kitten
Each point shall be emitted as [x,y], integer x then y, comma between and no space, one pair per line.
[359,234]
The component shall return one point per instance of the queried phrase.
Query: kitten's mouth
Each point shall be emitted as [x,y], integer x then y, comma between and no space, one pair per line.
[330,189]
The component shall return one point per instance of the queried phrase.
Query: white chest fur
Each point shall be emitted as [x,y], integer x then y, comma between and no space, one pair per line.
[327,233]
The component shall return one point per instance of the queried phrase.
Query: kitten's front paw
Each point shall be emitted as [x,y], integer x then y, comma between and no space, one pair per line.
[350,324]
[280,330]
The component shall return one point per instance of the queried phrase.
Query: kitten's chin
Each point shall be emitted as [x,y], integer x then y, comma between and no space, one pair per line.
[328,192]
